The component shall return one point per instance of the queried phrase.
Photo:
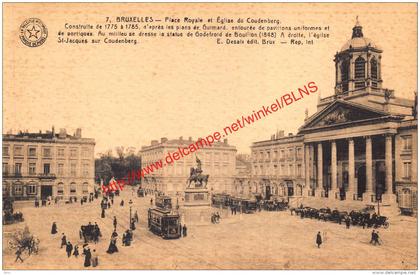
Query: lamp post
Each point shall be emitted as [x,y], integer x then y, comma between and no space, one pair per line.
[130,203]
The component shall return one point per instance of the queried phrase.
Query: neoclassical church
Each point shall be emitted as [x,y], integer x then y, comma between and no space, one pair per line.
[359,148]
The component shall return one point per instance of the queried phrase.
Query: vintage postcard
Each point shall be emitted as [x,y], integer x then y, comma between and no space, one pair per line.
[262,136]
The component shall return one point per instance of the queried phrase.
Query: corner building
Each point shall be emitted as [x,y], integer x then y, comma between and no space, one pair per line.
[39,165]
[359,148]
[217,160]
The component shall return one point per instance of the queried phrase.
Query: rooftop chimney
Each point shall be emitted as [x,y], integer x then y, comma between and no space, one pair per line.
[63,133]
[290,134]
[163,140]
[79,132]
[190,139]
[154,142]
[225,141]
[180,138]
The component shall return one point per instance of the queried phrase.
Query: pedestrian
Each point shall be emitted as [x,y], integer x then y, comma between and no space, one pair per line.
[115,222]
[63,240]
[347,222]
[112,200]
[372,236]
[151,201]
[88,255]
[112,246]
[184,231]
[133,224]
[94,259]
[136,217]
[18,253]
[376,240]
[69,249]
[76,251]
[81,201]
[319,239]
[103,213]
[109,205]
[54,228]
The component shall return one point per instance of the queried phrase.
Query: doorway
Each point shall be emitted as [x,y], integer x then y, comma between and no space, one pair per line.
[46,190]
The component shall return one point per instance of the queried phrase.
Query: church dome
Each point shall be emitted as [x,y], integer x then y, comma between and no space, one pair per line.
[358,41]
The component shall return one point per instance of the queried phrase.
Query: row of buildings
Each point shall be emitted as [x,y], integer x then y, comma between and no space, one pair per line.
[360,146]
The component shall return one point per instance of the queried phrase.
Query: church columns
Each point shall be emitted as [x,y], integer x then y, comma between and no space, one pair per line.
[333,190]
[307,169]
[369,181]
[319,186]
[352,189]
[389,196]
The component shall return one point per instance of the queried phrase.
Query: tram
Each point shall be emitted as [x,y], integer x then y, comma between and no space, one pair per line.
[220,200]
[247,206]
[163,202]
[164,223]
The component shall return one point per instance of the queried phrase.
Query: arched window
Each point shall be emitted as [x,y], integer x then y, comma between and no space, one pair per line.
[85,188]
[359,68]
[345,70]
[374,68]
[72,188]
[60,189]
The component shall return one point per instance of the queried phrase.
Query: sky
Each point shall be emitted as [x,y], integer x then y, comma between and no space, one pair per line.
[130,95]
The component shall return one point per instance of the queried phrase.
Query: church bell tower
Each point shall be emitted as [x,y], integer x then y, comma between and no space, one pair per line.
[358,65]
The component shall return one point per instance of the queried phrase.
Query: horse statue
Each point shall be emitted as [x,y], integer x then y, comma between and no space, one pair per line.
[197,177]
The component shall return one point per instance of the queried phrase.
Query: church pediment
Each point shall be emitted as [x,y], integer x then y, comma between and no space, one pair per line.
[340,112]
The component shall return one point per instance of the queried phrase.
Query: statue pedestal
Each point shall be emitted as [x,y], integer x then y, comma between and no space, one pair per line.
[196,209]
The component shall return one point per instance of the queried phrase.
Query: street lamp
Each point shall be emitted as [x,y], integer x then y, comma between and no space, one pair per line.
[130,203]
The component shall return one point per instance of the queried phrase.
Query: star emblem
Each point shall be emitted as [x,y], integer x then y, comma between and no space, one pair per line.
[33,32]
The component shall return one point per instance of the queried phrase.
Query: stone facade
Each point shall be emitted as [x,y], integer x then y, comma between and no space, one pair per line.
[360,145]
[217,160]
[38,165]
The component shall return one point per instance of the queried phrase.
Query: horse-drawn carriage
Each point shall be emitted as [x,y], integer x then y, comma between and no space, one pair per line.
[9,217]
[244,205]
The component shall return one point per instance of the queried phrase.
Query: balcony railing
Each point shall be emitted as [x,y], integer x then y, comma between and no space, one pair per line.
[20,175]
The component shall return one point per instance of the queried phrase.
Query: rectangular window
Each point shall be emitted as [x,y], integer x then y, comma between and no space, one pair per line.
[407,142]
[72,188]
[60,169]
[46,152]
[299,170]
[31,189]
[85,169]
[18,190]
[18,151]
[46,169]
[85,188]
[291,170]
[407,170]
[5,150]
[73,152]
[32,152]
[5,168]
[73,168]
[32,168]
[85,152]
[60,152]
[18,168]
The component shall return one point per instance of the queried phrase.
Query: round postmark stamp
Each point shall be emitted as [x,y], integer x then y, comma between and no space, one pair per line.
[33,32]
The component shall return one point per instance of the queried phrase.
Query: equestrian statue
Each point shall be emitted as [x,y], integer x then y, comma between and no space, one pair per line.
[196,176]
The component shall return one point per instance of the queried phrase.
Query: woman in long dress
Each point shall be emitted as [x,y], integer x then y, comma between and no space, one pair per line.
[88,256]
[54,228]
[112,246]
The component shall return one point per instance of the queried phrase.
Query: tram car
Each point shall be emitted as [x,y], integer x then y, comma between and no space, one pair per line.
[163,202]
[164,223]
[247,206]
[220,200]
